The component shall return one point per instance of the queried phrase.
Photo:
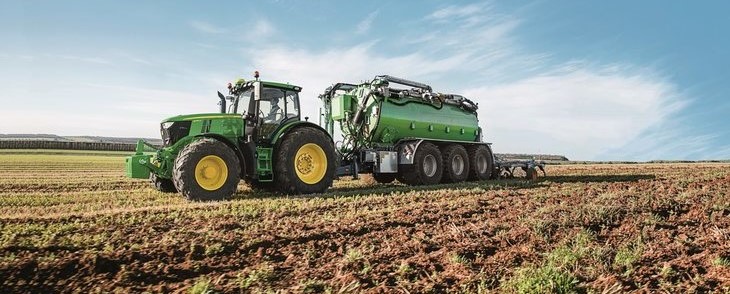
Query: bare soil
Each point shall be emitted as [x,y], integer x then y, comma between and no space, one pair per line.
[658,227]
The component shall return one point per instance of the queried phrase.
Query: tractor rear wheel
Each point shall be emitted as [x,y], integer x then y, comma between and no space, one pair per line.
[162,185]
[481,162]
[206,170]
[427,167]
[456,164]
[384,178]
[305,162]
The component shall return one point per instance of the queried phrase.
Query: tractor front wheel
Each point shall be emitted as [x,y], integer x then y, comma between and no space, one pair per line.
[305,162]
[206,170]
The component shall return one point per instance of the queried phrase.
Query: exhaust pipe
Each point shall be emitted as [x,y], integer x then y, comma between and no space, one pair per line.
[222,103]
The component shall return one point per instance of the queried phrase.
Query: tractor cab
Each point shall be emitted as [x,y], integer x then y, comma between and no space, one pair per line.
[265,107]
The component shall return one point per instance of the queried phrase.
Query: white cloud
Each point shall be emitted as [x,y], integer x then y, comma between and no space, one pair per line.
[578,108]
[364,25]
[206,27]
[94,60]
[320,69]
[579,114]
[455,11]
[112,110]
[263,28]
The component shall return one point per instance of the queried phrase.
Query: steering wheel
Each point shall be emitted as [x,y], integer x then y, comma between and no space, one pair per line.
[277,116]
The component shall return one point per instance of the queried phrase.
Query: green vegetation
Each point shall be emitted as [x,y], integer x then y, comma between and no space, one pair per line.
[543,279]
[202,286]
[721,261]
[258,276]
[627,256]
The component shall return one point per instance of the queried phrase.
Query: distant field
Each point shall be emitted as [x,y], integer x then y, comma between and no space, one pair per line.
[71,220]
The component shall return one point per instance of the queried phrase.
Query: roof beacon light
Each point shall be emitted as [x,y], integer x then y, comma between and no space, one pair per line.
[256,75]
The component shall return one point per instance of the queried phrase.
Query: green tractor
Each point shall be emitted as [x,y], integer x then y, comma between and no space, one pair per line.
[258,136]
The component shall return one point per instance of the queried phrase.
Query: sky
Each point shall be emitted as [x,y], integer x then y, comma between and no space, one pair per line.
[591,80]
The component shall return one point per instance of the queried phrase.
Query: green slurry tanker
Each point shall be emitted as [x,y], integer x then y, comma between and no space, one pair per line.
[391,128]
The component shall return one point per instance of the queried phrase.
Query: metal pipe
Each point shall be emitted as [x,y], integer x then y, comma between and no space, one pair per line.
[222,103]
[404,82]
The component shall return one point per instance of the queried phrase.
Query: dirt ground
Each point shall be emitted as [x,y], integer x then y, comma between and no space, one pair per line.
[585,228]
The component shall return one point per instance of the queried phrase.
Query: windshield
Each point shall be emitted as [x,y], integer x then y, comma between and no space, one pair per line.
[240,102]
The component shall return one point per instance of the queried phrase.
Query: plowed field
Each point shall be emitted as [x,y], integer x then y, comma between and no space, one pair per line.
[71,222]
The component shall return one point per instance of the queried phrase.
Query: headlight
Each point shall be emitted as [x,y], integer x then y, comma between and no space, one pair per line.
[167,125]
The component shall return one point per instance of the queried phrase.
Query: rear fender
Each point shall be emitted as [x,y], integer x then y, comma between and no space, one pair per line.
[295,125]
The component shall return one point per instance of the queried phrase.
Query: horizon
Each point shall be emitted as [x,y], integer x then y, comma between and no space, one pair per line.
[589,81]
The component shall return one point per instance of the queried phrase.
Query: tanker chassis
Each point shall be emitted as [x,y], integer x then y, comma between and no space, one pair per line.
[390,127]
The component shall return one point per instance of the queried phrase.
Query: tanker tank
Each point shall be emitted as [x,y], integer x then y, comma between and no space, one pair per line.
[389,109]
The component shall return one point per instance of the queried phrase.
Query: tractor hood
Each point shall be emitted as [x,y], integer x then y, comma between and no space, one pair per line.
[201,116]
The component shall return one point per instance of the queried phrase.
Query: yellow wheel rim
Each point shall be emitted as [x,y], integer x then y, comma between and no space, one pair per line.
[211,172]
[310,163]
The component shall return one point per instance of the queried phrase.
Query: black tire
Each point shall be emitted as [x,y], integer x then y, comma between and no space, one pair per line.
[456,164]
[481,163]
[495,173]
[162,185]
[427,167]
[184,176]
[285,168]
[384,178]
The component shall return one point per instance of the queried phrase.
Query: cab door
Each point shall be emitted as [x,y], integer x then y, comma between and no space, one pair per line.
[276,107]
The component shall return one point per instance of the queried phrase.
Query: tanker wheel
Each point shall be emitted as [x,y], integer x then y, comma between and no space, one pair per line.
[384,178]
[427,167]
[305,162]
[206,170]
[456,164]
[481,163]
[163,185]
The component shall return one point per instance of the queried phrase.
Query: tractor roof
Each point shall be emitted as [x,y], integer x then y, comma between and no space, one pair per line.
[281,85]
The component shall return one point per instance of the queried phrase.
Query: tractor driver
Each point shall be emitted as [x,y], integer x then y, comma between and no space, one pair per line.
[276,112]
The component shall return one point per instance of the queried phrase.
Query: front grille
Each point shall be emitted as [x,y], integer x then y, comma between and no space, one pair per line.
[175,132]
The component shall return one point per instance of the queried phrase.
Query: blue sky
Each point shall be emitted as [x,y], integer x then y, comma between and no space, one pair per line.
[593,80]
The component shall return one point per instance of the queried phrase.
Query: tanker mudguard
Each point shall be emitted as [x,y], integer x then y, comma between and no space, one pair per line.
[407,147]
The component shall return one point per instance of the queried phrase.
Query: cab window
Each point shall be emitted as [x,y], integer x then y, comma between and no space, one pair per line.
[277,105]
[292,104]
